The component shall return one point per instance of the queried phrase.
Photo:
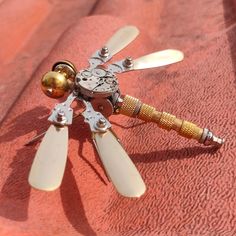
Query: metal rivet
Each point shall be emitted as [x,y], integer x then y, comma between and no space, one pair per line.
[101,123]
[104,52]
[128,62]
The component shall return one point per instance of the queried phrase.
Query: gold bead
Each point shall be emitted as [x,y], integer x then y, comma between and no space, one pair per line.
[54,84]
[65,67]
[57,82]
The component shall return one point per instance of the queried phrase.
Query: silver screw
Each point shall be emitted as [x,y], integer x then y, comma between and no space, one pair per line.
[104,52]
[61,116]
[101,123]
[128,62]
[212,139]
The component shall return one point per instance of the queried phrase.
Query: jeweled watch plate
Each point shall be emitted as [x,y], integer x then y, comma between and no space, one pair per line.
[97,82]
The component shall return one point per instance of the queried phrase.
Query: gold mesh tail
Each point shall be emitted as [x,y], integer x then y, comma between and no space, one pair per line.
[133,107]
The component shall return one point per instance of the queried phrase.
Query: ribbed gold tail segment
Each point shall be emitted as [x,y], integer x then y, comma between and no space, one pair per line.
[135,108]
[129,106]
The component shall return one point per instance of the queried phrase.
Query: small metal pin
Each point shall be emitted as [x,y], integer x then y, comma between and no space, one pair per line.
[209,138]
[61,116]
[101,123]
[104,52]
[128,62]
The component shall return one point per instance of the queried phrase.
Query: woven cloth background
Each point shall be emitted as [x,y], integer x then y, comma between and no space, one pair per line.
[191,189]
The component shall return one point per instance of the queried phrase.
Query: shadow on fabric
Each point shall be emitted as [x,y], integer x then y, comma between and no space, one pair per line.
[230,24]
[15,193]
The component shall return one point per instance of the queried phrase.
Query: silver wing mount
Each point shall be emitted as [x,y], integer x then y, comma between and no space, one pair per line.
[117,164]
[121,39]
[156,59]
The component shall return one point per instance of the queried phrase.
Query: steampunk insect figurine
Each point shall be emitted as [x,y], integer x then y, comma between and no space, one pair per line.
[97,88]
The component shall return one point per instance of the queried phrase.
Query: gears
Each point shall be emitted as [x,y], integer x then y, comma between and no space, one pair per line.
[97,82]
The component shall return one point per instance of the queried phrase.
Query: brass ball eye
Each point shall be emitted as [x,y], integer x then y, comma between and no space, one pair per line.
[67,68]
[57,82]
[54,84]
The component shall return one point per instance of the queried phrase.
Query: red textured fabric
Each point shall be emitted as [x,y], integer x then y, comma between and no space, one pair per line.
[29,30]
[190,188]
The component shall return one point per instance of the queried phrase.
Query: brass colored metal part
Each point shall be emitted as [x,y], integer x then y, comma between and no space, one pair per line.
[167,121]
[146,112]
[57,82]
[190,130]
[54,84]
[129,106]
[67,68]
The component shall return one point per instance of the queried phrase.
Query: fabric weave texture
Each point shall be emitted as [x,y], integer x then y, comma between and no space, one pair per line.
[190,188]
